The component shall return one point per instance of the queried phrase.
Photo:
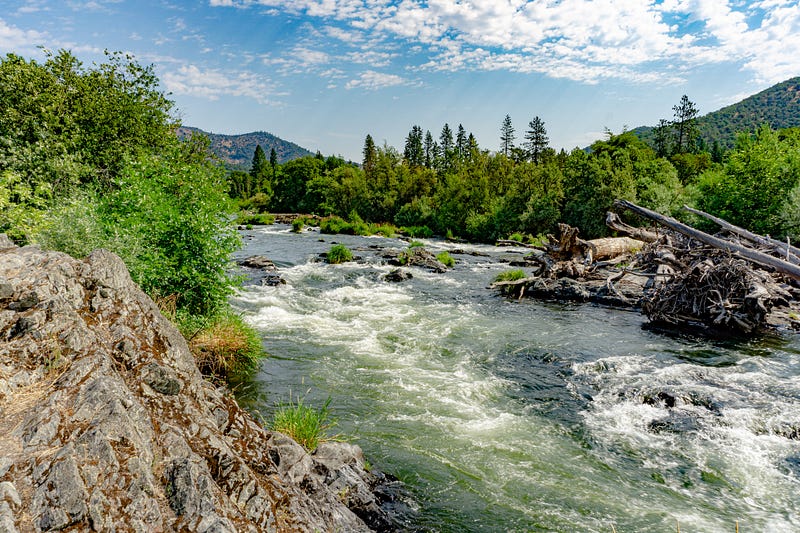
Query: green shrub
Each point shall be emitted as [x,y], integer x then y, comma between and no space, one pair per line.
[339,253]
[415,244]
[246,218]
[519,237]
[385,230]
[298,224]
[334,225]
[446,259]
[417,231]
[307,425]
[224,346]
[510,275]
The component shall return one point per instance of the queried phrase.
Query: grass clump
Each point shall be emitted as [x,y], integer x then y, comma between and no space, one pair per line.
[224,346]
[339,253]
[510,275]
[423,232]
[306,424]
[446,259]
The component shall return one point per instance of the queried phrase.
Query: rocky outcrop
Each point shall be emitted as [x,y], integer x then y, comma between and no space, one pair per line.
[106,424]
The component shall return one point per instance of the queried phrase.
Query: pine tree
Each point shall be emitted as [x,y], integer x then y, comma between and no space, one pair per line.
[661,138]
[684,125]
[461,142]
[273,161]
[507,136]
[370,156]
[430,150]
[414,152]
[536,138]
[446,149]
[259,169]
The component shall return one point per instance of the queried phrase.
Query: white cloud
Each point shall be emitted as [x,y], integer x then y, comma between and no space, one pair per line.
[212,84]
[14,39]
[371,81]
[585,40]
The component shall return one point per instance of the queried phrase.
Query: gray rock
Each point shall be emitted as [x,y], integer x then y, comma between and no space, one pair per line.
[116,426]
[161,379]
[6,242]
[397,275]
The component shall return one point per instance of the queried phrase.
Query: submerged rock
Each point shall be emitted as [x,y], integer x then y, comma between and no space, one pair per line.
[106,422]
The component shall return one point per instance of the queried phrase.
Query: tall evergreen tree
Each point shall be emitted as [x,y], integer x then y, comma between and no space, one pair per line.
[259,169]
[430,150]
[685,125]
[273,161]
[446,149]
[414,151]
[661,138]
[461,142]
[536,139]
[507,136]
[370,156]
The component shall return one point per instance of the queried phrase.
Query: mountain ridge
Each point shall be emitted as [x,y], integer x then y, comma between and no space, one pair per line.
[236,151]
[778,106]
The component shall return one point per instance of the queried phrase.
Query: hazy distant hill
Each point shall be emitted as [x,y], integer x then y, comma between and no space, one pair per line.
[237,150]
[778,106]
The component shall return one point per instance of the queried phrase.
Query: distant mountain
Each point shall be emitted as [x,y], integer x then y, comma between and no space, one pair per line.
[236,151]
[778,106]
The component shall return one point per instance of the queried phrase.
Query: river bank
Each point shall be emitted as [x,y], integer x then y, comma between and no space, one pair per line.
[106,422]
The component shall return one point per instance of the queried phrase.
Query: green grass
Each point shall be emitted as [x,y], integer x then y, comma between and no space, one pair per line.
[224,346]
[337,225]
[510,275]
[446,259]
[339,253]
[306,424]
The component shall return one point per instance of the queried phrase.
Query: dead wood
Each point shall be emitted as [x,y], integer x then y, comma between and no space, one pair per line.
[791,253]
[614,223]
[754,256]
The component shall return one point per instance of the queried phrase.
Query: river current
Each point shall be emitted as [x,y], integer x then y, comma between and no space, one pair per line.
[503,415]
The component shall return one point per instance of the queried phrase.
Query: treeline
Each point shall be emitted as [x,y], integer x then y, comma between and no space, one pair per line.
[449,185]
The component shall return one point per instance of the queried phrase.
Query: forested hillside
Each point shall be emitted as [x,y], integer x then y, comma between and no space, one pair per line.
[236,151]
[778,106]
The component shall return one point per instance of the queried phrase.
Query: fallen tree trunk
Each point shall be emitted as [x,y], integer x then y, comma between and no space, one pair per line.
[614,223]
[760,258]
[791,252]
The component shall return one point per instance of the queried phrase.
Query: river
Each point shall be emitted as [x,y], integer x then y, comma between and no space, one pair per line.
[504,415]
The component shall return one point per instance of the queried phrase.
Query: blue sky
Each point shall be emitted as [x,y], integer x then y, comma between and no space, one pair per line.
[324,73]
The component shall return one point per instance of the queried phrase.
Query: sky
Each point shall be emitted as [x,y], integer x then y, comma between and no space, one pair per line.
[325,73]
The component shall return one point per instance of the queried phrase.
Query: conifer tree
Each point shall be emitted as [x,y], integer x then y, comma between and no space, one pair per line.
[446,149]
[536,139]
[684,125]
[507,136]
[414,151]
[430,150]
[370,156]
[259,168]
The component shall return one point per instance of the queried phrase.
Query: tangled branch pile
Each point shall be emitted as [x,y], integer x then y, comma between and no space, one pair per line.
[735,281]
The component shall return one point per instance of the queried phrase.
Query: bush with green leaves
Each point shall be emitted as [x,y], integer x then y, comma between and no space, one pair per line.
[510,275]
[446,259]
[339,253]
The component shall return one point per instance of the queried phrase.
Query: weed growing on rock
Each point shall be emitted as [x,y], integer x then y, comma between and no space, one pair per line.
[510,275]
[446,259]
[224,346]
[339,253]
[307,425]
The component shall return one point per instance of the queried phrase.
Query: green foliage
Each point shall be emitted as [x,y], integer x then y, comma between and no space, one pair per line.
[307,425]
[752,187]
[246,217]
[416,244]
[298,224]
[339,253]
[417,231]
[224,345]
[446,259]
[510,275]
[172,218]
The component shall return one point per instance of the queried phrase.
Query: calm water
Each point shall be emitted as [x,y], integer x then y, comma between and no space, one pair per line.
[527,416]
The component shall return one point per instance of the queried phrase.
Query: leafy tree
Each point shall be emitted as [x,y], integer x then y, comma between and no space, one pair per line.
[536,139]
[507,136]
